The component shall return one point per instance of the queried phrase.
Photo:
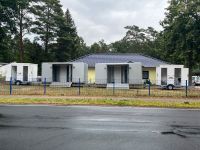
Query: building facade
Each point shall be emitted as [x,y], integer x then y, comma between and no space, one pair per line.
[149,64]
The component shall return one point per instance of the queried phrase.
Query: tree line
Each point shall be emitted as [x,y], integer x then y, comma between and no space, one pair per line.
[177,43]
[38,30]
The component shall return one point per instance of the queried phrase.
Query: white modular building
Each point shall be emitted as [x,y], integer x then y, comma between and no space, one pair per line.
[122,75]
[171,76]
[60,73]
[19,72]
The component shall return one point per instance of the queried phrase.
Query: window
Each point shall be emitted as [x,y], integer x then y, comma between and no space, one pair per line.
[145,75]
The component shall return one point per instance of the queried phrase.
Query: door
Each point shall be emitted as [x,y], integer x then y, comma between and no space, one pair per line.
[124,74]
[14,73]
[163,76]
[56,73]
[177,80]
[185,76]
[25,73]
[69,73]
[110,72]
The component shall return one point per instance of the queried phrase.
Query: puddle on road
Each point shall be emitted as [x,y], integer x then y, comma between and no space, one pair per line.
[2,116]
[173,133]
[183,131]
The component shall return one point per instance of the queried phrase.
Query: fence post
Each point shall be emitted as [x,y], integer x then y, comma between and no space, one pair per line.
[11,86]
[186,88]
[149,87]
[113,87]
[45,86]
[79,86]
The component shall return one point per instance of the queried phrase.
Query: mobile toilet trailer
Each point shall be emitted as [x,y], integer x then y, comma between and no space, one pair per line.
[171,76]
[21,73]
[63,74]
[122,75]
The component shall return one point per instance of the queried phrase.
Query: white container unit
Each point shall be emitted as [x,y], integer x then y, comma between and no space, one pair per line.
[171,76]
[120,74]
[20,72]
[196,80]
[64,73]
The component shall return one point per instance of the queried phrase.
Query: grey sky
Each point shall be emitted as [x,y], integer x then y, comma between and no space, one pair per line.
[106,19]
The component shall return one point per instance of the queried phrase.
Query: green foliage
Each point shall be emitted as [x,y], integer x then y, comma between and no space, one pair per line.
[99,47]
[47,14]
[181,32]
[58,40]
[45,18]
[23,23]
[7,27]
[68,40]
[139,40]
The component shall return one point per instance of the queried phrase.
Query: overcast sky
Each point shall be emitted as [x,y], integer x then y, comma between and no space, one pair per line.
[106,19]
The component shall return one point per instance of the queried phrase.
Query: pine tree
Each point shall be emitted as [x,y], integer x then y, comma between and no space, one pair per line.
[7,28]
[23,23]
[68,40]
[47,15]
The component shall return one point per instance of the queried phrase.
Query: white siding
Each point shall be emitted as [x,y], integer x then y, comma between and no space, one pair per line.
[79,70]
[135,73]
[6,71]
[101,73]
[171,74]
[47,72]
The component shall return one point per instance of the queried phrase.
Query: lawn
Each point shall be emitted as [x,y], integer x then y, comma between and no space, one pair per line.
[105,102]
[93,91]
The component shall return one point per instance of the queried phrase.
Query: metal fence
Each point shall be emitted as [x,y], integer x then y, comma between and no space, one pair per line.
[145,89]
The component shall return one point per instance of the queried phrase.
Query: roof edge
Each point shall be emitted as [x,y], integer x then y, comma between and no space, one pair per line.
[111,53]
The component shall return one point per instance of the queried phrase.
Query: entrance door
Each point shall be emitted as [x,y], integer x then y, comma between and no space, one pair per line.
[124,74]
[163,76]
[14,72]
[177,77]
[56,73]
[110,75]
[69,73]
[25,73]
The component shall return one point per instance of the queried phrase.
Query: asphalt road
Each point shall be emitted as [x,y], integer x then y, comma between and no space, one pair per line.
[98,128]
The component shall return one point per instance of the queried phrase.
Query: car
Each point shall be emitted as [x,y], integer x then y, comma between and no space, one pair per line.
[196,80]
[19,82]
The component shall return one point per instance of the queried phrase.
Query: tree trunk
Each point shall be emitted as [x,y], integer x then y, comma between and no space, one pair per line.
[46,44]
[21,45]
[47,32]
[190,66]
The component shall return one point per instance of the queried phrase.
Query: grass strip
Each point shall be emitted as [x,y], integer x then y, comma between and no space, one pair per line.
[105,102]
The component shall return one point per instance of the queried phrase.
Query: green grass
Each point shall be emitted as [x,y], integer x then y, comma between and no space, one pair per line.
[105,102]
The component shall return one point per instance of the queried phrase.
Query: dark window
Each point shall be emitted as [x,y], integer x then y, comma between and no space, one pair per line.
[145,75]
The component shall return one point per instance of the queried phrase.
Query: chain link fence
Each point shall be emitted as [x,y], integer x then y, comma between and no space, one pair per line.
[142,89]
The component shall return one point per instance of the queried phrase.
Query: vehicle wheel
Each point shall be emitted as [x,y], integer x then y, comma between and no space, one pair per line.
[170,87]
[18,83]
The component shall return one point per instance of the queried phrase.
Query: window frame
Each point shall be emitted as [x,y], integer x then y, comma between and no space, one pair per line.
[147,75]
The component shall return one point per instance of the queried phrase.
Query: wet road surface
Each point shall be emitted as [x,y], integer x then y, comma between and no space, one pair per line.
[98,128]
